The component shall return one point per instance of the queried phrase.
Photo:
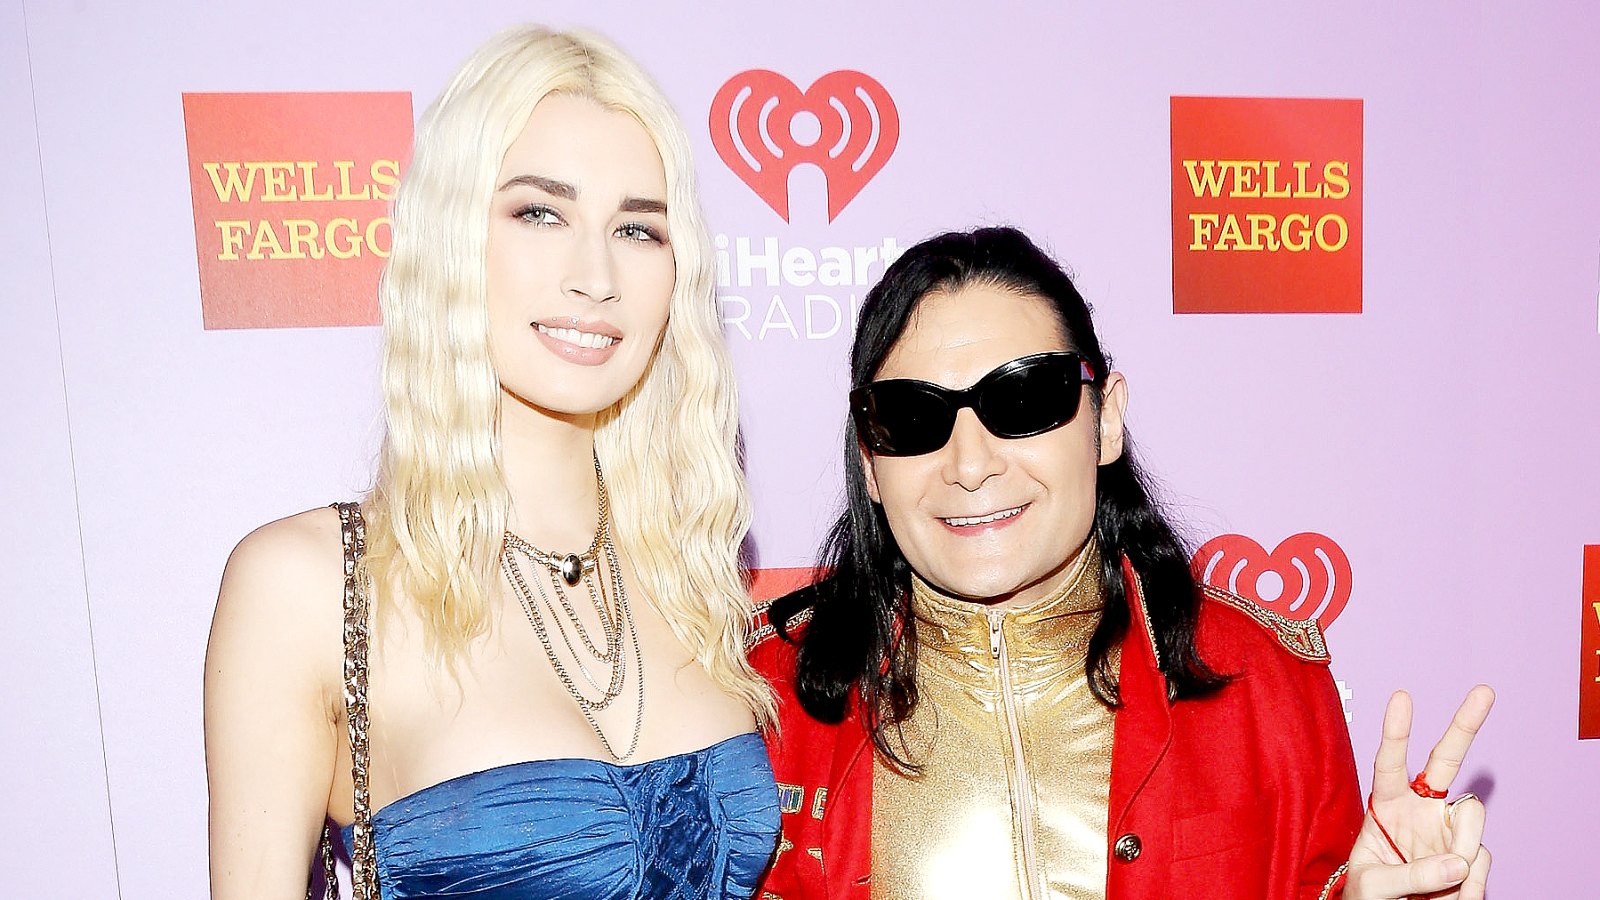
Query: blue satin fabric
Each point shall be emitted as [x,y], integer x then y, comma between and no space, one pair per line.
[696,826]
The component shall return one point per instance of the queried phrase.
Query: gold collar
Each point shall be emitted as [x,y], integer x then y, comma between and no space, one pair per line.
[1045,637]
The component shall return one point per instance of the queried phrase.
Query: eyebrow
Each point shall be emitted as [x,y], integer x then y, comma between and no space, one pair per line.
[641,205]
[567,192]
[548,185]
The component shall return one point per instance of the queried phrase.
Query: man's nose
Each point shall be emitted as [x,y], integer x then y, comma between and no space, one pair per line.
[971,456]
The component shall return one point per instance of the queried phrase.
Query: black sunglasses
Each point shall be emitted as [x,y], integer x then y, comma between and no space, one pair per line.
[1022,398]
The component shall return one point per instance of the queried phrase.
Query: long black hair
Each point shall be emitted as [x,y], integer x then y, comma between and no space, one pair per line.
[862,634]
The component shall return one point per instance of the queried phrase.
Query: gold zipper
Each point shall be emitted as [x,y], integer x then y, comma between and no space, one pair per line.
[1022,786]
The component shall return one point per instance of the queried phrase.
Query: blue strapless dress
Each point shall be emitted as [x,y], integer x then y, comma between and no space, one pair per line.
[696,826]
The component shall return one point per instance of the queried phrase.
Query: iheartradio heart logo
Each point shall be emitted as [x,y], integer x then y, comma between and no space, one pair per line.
[1306,577]
[845,124]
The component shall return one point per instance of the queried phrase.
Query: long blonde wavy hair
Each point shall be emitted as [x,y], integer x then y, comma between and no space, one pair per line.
[439,507]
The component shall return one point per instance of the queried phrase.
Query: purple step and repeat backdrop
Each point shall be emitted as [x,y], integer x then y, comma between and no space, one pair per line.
[1348,256]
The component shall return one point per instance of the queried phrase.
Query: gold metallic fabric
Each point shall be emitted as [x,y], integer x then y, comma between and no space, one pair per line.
[1012,796]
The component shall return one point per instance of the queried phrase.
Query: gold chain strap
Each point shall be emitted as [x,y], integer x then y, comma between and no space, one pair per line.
[330,887]
[363,858]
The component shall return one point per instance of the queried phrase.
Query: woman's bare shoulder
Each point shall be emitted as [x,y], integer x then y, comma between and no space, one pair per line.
[304,538]
[282,589]
[295,553]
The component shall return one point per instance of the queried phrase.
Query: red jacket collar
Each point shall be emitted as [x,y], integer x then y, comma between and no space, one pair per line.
[1143,736]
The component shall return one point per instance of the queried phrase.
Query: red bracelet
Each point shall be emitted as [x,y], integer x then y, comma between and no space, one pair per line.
[1384,831]
[1420,787]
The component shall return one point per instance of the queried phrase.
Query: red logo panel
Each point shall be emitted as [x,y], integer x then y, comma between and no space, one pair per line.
[769,584]
[291,198]
[1306,577]
[1589,670]
[845,124]
[1266,205]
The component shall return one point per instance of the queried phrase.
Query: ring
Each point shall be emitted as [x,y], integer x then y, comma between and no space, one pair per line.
[1450,808]
[1419,786]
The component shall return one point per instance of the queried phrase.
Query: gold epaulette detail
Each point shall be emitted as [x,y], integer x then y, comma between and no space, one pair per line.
[761,626]
[1303,639]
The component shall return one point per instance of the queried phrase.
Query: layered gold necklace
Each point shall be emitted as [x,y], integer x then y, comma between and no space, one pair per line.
[558,619]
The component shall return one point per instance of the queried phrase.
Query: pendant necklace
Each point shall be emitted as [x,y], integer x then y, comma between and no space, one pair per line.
[609,599]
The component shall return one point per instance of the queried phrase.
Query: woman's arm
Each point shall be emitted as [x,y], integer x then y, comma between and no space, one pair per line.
[271,706]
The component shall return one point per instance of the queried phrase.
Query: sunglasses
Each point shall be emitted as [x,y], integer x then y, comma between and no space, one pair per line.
[1022,398]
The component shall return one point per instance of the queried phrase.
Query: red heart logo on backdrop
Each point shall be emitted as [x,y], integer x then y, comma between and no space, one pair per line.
[1311,568]
[767,584]
[845,124]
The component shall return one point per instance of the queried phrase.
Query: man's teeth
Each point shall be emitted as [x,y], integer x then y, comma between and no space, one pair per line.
[959,521]
[580,338]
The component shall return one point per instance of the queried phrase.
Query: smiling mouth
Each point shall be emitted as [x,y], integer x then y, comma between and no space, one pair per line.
[968,521]
[576,338]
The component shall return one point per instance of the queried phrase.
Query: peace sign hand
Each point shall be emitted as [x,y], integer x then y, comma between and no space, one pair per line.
[1413,845]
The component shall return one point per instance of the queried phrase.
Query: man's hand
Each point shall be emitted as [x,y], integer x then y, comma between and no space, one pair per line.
[1411,845]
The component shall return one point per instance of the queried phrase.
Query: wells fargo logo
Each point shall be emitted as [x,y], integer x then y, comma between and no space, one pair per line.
[1589,668]
[1266,205]
[763,126]
[1306,577]
[291,200]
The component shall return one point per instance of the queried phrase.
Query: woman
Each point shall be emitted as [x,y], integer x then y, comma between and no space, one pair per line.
[559,705]
[1009,684]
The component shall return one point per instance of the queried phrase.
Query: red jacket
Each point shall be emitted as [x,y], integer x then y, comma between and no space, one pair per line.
[1249,794]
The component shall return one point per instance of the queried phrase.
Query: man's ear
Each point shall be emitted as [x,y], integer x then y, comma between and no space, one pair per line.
[1113,406]
[867,472]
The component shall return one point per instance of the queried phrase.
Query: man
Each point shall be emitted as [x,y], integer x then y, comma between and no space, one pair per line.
[1008,682]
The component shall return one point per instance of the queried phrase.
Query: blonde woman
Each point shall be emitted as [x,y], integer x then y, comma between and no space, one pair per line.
[515,668]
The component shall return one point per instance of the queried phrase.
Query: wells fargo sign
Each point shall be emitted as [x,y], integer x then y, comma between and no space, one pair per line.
[1589,660]
[1266,205]
[291,198]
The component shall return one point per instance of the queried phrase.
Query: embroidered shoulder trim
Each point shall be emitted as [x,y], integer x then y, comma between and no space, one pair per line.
[1303,639]
[761,627]
[1144,610]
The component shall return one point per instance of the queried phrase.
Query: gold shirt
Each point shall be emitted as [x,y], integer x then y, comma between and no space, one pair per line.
[1015,751]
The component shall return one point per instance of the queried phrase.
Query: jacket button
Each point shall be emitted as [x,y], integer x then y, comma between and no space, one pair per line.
[1127,848]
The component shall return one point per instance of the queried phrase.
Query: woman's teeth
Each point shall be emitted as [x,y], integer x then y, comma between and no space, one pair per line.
[960,521]
[576,337]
